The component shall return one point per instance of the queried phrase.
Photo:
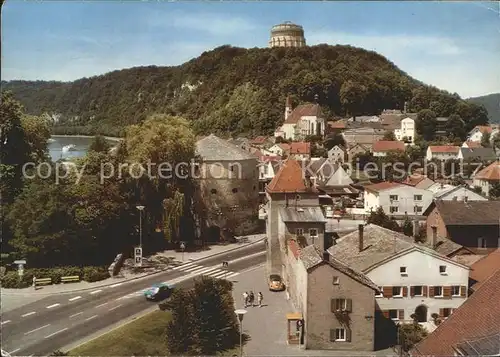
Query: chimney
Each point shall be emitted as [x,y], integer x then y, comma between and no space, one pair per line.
[360,234]
[434,236]
[326,256]
[466,198]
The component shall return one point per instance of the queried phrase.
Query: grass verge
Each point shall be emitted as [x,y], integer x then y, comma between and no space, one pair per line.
[142,337]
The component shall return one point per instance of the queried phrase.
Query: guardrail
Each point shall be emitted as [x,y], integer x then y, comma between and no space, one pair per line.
[70,279]
[43,281]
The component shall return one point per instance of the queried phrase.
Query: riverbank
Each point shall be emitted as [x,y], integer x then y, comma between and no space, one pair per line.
[110,138]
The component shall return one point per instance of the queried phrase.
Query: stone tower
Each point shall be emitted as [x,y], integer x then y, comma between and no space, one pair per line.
[287,34]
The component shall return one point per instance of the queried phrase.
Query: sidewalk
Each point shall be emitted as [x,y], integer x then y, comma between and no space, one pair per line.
[159,262]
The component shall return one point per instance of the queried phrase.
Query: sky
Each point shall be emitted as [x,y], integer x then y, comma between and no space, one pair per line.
[452,45]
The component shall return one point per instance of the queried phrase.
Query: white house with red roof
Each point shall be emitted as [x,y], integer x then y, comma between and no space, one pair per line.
[396,199]
[383,147]
[442,152]
[487,177]
[477,133]
[305,119]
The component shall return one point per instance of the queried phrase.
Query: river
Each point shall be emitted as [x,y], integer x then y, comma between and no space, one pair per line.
[81,144]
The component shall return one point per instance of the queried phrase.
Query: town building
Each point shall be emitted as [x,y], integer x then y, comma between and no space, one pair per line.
[412,278]
[442,152]
[364,119]
[418,181]
[337,303]
[457,193]
[356,149]
[407,131]
[396,199]
[472,224]
[287,34]
[477,133]
[280,149]
[300,150]
[268,167]
[364,136]
[487,177]
[472,330]
[304,120]
[337,154]
[383,147]
[479,154]
[471,144]
[482,269]
[228,179]
[242,143]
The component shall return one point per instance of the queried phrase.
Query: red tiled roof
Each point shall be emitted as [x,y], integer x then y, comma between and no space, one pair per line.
[303,110]
[290,178]
[445,149]
[478,316]
[284,146]
[382,186]
[259,140]
[386,145]
[413,180]
[266,158]
[490,173]
[300,148]
[485,267]
[339,124]
[294,247]
[473,144]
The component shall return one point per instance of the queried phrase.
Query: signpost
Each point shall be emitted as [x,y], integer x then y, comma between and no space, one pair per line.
[20,267]
[225,266]
[183,247]
[138,256]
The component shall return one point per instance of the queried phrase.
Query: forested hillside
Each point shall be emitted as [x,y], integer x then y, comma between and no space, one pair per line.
[492,104]
[239,91]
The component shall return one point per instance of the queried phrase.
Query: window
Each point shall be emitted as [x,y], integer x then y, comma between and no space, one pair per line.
[340,304]
[438,291]
[393,197]
[446,312]
[393,209]
[235,190]
[231,167]
[381,293]
[339,334]
[313,232]
[336,280]
[481,243]
[417,291]
[402,270]
[213,191]
[442,269]
[393,314]
[299,232]
[417,197]
[417,209]
[455,290]
[397,291]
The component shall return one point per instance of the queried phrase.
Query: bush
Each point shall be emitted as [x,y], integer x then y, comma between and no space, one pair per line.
[91,274]
[11,281]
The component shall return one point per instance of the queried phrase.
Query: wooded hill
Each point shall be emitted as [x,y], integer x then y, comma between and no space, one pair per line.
[237,91]
[492,104]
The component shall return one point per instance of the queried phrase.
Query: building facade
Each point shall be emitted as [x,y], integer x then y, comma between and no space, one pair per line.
[407,131]
[287,34]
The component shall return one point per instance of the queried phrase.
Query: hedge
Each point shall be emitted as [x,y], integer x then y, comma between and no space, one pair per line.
[89,274]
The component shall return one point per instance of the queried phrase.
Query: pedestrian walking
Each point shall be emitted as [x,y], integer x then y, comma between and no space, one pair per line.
[260,297]
[34,282]
[245,298]
[251,298]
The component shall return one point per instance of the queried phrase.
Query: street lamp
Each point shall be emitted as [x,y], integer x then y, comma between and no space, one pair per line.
[241,313]
[140,208]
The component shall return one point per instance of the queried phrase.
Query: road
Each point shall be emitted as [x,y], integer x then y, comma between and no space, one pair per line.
[56,321]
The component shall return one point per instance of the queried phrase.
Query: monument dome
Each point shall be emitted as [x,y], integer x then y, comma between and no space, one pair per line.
[287,34]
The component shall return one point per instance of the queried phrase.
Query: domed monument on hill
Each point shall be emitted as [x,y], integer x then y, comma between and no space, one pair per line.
[287,34]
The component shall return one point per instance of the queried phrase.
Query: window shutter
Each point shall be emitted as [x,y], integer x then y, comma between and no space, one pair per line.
[431,291]
[405,291]
[332,304]
[332,335]
[463,290]
[349,305]
[401,314]
[387,291]
[386,313]
[348,335]
[447,292]
[412,291]
[424,291]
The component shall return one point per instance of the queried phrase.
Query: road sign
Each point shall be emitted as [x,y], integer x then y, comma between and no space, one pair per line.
[183,245]
[138,261]
[138,252]
[20,269]
[20,261]
[225,265]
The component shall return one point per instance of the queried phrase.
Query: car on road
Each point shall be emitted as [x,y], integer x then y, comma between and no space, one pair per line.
[276,283]
[159,292]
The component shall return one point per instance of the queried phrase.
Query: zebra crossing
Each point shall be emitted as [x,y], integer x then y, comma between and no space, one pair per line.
[192,270]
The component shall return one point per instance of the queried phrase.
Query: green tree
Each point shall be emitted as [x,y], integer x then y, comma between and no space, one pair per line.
[333,140]
[181,332]
[407,227]
[495,190]
[352,96]
[426,124]
[455,126]
[99,144]
[389,136]
[496,141]
[380,218]
[410,335]
[485,140]
[36,133]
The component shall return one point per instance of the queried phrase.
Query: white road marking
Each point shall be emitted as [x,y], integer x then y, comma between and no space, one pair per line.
[191,268]
[203,271]
[51,306]
[12,352]
[27,333]
[114,308]
[182,266]
[231,275]
[78,313]
[115,285]
[95,291]
[75,298]
[55,333]
[29,314]
[217,274]
[101,305]
[90,318]
[6,322]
